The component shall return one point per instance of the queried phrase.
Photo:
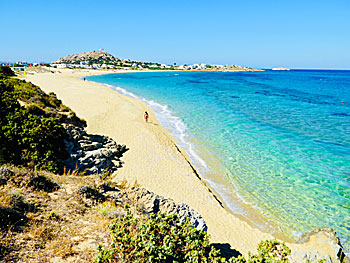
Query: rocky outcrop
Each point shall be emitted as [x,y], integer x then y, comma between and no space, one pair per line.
[324,234]
[152,203]
[91,153]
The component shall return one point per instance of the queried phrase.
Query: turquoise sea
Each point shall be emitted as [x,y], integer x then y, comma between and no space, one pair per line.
[281,139]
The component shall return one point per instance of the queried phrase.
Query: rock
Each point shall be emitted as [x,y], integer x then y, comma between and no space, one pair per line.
[324,233]
[90,146]
[152,203]
[91,153]
[97,138]
[312,257]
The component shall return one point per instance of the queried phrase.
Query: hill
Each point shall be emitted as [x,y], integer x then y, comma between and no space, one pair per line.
[91,57]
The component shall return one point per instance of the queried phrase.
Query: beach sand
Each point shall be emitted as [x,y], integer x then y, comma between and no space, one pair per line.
[154,161]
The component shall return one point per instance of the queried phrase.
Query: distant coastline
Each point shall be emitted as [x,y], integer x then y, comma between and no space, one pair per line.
[281,68]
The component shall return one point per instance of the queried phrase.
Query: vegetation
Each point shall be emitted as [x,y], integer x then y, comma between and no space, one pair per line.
[27,139]
[5,72]
[36,227]
[39,103]
[162,238]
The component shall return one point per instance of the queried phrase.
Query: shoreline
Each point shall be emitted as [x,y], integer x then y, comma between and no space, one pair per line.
[168,164]
[212,174]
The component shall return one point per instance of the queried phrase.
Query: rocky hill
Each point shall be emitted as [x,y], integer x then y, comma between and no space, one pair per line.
[91,56]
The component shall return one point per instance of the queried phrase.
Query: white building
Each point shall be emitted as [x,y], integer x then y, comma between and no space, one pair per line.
[62,65]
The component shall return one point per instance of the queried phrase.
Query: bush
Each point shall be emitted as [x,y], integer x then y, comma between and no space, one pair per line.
[27,139]
[159,239]
[163,238]
[6,71]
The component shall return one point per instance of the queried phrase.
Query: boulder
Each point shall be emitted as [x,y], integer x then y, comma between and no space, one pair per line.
[152,203]
[91,153]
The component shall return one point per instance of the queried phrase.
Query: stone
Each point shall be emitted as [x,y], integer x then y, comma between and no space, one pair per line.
[325,233]
[91,153]
[152,203]
[91,146]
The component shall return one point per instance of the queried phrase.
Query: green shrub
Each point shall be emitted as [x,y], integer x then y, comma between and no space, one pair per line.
[27,139]
[6,71]
[163,238]
[270,251]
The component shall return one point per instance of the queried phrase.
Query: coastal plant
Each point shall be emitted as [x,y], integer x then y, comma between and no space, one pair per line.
[5,72]
[269,251]
[160,238]
[39,103]
[27,139]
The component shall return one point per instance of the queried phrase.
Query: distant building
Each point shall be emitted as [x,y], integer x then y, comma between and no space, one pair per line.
[61,65]
[23,63]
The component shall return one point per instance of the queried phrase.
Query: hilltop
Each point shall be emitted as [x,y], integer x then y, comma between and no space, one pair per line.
[103,60]
[91,56]
[100,59]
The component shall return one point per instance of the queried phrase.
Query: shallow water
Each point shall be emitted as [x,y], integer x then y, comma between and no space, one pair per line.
[284,137]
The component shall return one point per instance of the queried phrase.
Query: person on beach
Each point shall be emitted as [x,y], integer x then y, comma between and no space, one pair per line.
[146,116]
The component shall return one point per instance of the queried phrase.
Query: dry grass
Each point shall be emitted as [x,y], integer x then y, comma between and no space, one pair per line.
[136,184]
[6,200]
[123,184]
[61,226]
[74,172]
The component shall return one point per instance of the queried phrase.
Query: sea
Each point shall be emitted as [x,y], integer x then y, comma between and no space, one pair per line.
[273,143]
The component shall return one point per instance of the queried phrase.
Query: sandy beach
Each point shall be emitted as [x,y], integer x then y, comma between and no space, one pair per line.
[154,160]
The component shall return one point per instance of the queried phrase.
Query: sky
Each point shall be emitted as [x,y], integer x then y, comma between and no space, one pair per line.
[262,34]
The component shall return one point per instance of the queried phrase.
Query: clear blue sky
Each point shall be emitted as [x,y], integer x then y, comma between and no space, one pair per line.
[271,33]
